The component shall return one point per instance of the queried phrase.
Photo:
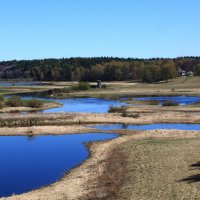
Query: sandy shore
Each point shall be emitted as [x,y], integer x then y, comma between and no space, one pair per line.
[44,130]
[80,182]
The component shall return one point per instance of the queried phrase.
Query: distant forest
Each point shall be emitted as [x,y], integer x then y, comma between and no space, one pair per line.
[98,68]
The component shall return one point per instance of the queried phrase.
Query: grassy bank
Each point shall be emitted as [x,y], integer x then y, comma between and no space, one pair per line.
[161,169]
[16,104]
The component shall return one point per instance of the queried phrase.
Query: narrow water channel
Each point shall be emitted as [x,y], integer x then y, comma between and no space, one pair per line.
[27,163]
[105,127]
[181,100]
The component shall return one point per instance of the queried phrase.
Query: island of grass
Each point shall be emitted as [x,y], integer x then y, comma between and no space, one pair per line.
[16,104]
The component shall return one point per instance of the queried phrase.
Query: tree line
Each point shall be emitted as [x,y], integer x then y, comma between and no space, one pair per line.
[103,68]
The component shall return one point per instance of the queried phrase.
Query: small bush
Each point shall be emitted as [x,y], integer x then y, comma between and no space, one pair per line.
[133,115]
[104,86]
[14,101]
[81,86]
[1,104]
[1,98]
[117,109]
[34,103]
[169,103]
[124,114]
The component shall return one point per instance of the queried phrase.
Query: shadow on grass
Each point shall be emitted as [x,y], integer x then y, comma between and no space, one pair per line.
[194,178]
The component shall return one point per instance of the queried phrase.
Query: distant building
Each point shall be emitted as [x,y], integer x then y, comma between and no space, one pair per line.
[181,72]
[190,73]
[99,83]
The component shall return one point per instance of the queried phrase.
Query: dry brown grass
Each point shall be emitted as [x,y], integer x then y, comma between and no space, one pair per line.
[108,183]
[29,109]
[161,169]
[147,115]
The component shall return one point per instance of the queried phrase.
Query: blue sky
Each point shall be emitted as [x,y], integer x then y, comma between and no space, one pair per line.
[35,29]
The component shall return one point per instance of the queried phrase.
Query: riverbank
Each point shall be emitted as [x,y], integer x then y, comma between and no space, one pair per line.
[44,106]
[92,178]
[44,130]
[145,115]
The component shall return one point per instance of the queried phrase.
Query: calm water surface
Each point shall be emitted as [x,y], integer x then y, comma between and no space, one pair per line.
[97,105]
[94,105]
[148,126]
[29,163]
[21,83]
[181,100]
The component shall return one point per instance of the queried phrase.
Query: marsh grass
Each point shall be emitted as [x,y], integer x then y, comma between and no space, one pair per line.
[169,103]
[117,109]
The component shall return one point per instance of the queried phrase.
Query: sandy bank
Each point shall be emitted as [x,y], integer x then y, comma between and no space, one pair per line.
[44,130]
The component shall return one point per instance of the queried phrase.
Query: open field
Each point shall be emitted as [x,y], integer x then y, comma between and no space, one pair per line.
[161,169]
[178,86]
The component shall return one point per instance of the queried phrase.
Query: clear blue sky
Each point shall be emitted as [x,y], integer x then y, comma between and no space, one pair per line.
[34,29]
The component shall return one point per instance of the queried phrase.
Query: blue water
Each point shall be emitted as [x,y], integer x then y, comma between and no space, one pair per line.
[181,100]
[94,105]
[21,83]
[29,163]
[97,105]
[148,127]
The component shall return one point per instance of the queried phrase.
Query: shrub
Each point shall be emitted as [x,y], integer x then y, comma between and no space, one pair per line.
[14,101]
[104,86]
[124,114]
[1,104]
[169,103]
[34,103]
[116,109]
[81,86]
[1,98]
[133,115]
